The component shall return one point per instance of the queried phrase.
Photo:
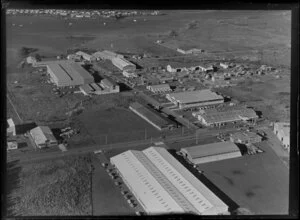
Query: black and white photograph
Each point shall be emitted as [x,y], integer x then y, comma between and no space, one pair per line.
[147,112]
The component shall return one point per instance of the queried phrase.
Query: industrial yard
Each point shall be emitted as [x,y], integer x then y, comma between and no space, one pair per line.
[148,106]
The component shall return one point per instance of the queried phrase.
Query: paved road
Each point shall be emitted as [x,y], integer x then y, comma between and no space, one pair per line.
[35,156]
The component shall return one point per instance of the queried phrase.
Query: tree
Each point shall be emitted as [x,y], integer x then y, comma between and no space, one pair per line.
[38,57]
[173,33]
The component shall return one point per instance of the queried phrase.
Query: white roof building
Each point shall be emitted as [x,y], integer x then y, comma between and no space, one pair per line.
[43,137]
[162,185]
[159,88]
[123,64]
[85,56]
[282,131]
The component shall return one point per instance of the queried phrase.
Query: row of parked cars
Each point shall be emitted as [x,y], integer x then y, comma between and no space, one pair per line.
[114,175]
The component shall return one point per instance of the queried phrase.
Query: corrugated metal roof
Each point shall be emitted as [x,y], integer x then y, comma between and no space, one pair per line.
[210,149]
[41,134]
[243,136]
[195,96]
[163,185]
[160,86]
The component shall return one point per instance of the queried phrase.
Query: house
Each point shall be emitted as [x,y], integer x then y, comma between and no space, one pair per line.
[109,84]
[31,60]
[12,145]
[11,127]
[43,137]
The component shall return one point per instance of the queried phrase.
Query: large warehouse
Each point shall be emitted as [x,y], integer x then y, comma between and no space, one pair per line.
[67,73]
[123,64]
[195,98]
[211,117]
[151,116]
[162,185]
[211,152]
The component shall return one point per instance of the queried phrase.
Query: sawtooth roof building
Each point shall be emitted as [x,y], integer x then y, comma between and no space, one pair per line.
[190,99]
[219,117]
[67,73]
[162,185]
[211,152]
[161,88]
[152,117]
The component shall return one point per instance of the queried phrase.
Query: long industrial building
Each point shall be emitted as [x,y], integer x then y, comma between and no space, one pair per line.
[161,88]
[211,117]
[162,185]
[211,152]
[197,98]
[151,117]
[67,73]
[106,55]
[123,64]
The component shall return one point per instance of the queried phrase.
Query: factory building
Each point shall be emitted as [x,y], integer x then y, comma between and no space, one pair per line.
[282,131]
[162,185]
[106,55]
[85,56]
[67,73]
[191,51]
[129,74]
[110,85]
[211,152]
[161,88]
[190,99]
[245,137]
[217,117]
[123,64]
[192,68]
[43,137]
[151,116]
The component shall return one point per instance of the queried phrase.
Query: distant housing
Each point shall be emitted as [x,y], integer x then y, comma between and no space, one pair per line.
[211,152]
[282,131]
[196,98]
[191,51]
[161,88]
[43,137]
[67,73]
[222,116]
[162,185]
[193,68]
[151,116]
[123,64]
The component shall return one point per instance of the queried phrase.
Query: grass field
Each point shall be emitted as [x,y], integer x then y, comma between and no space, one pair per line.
[259,182]
[119,125]
[58,187]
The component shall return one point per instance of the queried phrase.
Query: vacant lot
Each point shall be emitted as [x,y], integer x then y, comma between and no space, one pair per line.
[57,187]
[259,182]
[112,125]
[270,96]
